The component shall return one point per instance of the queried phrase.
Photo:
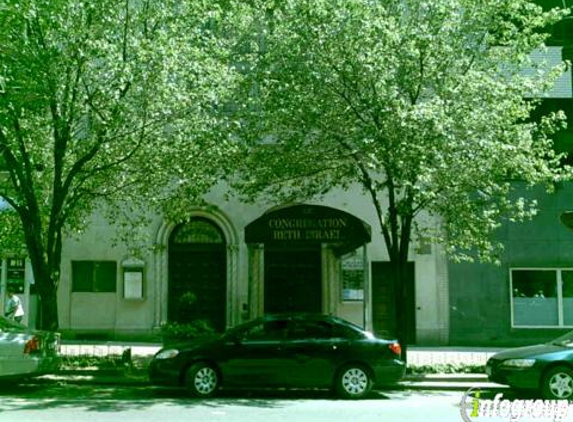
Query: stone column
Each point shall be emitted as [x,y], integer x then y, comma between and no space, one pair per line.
[256,280]
[331,280]
[233,308]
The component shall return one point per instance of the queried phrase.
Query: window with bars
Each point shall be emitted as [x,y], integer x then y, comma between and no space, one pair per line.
[94,276]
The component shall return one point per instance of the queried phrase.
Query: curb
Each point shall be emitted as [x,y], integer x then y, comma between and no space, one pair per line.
[437,382]
[449,386]
[123,381]
[455,378]
[461,382]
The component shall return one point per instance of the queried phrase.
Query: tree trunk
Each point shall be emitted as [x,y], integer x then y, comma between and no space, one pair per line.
[44,278]
[400,273]
[47,297]
[398,242]
[48,307]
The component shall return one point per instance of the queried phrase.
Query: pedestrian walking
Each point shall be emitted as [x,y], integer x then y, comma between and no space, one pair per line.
[14,309]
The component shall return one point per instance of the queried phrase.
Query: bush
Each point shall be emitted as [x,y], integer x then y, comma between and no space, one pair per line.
[93,362]
[446,368]
[174,331]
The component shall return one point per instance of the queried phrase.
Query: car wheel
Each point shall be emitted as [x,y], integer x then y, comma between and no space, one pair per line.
[353,382]
[557,383]
[202,380]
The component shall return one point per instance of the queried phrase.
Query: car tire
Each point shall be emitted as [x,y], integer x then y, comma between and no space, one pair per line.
[353,382]
[557,383]
[202,380]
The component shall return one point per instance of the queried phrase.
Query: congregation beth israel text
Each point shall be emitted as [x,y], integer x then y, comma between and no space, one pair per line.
[322,229]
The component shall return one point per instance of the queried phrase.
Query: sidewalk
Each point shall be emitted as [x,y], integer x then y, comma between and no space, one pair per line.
[435,382]
[417,356]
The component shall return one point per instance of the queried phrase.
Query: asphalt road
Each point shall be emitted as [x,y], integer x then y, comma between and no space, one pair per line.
[87,403]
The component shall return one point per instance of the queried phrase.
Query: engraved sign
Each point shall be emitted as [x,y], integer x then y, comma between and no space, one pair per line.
[309,224]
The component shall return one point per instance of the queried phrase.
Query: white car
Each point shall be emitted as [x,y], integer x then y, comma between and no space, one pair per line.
[25,352]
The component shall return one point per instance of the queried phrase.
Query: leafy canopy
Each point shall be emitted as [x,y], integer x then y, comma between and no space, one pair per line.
[116,101]
[425,104]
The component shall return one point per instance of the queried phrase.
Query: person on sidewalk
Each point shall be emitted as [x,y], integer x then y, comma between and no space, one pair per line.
[14,309]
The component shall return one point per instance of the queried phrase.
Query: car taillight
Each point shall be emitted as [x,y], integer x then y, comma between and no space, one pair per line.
[32,345]
[395,347]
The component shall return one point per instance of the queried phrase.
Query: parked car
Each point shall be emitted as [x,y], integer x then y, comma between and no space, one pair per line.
[25,352]
[283,351]
[546,368]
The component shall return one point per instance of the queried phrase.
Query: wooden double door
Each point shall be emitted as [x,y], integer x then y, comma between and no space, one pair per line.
[293,279]
[198,275]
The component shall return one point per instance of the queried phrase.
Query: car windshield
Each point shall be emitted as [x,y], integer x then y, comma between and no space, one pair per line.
[565,340]
[6,323]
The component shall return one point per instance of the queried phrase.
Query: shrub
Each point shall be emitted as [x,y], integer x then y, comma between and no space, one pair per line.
[174,331]
[90,362]
[446,368]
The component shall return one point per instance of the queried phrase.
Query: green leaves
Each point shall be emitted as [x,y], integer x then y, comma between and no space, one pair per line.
[421,102]
[95,93]
[111,102]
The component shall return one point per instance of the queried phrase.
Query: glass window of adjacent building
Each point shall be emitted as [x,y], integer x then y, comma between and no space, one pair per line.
[542,297]
[567,293]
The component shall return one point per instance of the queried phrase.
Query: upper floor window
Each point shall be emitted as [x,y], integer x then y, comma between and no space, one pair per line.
[563,138]
[562,30]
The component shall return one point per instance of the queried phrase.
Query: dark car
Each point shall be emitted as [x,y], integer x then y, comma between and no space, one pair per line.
[283,351]
[546,368]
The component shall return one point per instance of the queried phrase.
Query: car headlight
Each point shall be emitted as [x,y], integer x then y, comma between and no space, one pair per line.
[519,363]
[167,354]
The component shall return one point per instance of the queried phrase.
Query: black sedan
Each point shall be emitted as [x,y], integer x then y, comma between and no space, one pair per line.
[283,351]
[546,368]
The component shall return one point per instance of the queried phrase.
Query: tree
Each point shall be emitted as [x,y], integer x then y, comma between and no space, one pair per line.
[423,104]
[108,102]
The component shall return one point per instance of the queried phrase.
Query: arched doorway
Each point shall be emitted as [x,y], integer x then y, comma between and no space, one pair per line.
[296,244]
[197,273]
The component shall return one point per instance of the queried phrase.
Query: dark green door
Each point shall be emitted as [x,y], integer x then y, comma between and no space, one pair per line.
[197,274]
[293,279]
[384,301]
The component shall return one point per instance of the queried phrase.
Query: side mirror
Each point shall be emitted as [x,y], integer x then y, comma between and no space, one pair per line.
[233,340]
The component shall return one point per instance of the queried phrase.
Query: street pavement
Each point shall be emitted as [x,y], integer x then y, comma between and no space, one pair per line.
[60,402]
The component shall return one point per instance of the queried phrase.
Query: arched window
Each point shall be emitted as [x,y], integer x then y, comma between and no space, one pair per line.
[198,230]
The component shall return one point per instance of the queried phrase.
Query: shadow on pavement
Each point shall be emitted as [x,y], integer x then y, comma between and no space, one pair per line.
[26,396]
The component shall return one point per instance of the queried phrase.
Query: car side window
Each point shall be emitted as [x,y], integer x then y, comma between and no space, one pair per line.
[348,333]
[274,330]
[311,330]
